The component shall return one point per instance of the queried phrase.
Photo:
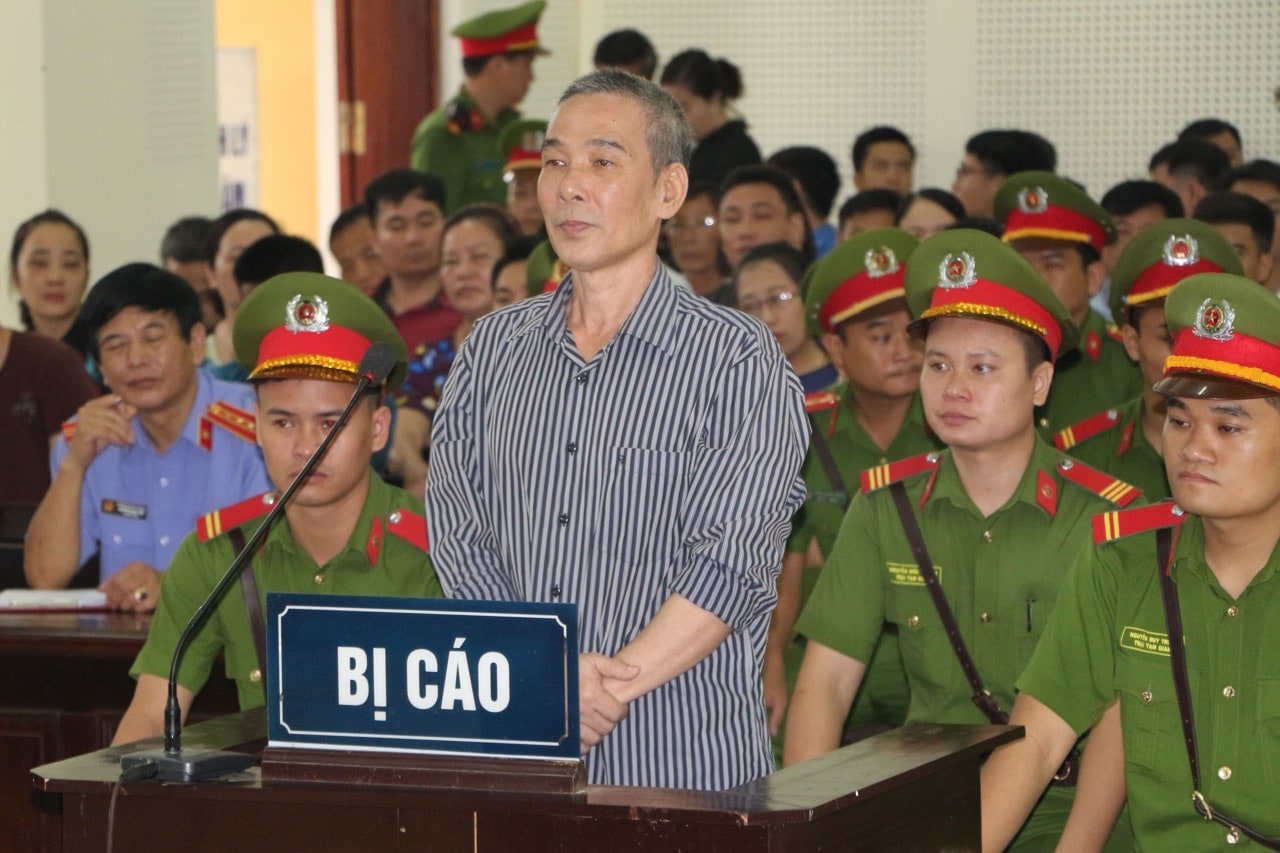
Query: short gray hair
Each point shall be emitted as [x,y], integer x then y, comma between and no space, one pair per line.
[667,131]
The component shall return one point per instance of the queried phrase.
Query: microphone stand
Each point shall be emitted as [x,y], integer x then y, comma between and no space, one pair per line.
[173,763]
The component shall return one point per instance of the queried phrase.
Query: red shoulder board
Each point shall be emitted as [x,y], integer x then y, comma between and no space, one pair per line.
[1113,332]
[68,430]
[408,526]
[1109,526]
[882,475]
[230,517]
[234,420]
[1126,438]
[820,401]
[1092,345]
[1086,429]
[1102,484]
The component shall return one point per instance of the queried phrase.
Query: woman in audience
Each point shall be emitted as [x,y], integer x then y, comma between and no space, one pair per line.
[229,235]
[923,214]
[474,238]
[767,285]
[694,241]
[510,274]
[705,88]
[49,268]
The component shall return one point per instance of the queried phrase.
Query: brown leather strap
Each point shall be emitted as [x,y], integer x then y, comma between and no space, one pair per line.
[1182,686]
[818,442]
[249,586]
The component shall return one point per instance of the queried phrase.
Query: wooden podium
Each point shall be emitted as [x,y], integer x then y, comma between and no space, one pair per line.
[914,788]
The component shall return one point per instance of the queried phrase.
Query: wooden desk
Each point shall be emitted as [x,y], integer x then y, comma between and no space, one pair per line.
[64,684]
[915,788]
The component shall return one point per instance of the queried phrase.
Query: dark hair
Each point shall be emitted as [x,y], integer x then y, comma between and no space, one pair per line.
[56,217]
[1239,209]
[867,201]
[1007,152]
[978,223]
[518,248]
[395,186]
[220,226]
[143,286]
[1128,197]
[627,48]
[1204,161]
[762,173]
[184,240]
[793,261]
[276,254]
[667,131]
[1263,171]
[1204,128]
[704,76]
[473,65]
[348,217]
[881,133]
[703,188]
[1034,348]
[943,199]
[494,216]
[816,172]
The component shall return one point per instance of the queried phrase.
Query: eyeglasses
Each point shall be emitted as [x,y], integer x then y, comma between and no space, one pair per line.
[679,226]
[755,307]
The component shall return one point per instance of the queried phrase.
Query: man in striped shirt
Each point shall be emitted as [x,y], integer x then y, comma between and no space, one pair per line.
[627,446]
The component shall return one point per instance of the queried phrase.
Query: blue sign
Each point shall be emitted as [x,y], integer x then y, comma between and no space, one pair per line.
[422,675]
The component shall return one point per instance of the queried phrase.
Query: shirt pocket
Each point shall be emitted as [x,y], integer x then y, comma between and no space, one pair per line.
[1149,715]
[1268,710]
[640,519]
[927,656]
[125,539]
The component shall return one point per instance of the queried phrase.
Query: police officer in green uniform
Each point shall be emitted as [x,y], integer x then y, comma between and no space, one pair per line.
[1125,440]
[856,306]
[1175,609]
[345,532]
[1061,232]
[461,141]
[522,151]
[1001,513]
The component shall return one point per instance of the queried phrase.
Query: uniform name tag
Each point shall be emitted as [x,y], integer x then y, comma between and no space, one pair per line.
[908,574]
[833,497]
[127,510]
[1142,640]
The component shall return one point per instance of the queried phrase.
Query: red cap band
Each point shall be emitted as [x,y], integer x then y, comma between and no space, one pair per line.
[1241,357]
[1055,223]
[521,38]
[859,293]
[336,347]
[990,300]
[1158,279]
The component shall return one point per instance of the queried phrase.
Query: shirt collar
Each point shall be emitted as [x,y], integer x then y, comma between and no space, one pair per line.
[651,321]
[281,537]
[1044,459]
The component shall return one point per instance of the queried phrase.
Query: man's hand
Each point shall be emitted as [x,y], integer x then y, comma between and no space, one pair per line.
[135,588]
[100,423]
[775,690]
[599,711]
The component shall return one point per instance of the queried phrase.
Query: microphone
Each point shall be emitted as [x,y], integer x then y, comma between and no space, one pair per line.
[173,763]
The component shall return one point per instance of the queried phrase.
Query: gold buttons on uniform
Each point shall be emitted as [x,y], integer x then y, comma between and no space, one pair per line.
[1044,422]
[986,536]
[1147,696]
[1224,773]
[913,621]
[985,617]
[1233,611]
[255,676]
[318,579]
[1233,836]
[1229,692]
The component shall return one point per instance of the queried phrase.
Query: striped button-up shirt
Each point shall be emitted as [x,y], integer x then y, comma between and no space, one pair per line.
[668,464]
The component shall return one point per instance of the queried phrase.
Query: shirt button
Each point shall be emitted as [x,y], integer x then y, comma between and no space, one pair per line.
[564,518]
[572,447]
[1229,692]
[1147,696]
[555,590]
[582,379]
[255,676]
[117,539]
[985,617]
[1233,611]
[913,621]
[164,540]
[1233,836]
[1224,773]
[1044,422]
[164,481]
[318,579]
[986,536]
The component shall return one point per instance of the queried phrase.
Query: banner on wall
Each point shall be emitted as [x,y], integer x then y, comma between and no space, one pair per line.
[238,154]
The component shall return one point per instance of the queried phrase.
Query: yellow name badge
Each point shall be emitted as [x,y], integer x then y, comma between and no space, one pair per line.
[1142,640]
[908,574]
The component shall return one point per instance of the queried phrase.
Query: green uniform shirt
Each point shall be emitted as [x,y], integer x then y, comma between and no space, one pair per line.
[884,696]
[401,570]
[1107,638]
[1094,377]
[1122,450]
[1001,576]
[469,161]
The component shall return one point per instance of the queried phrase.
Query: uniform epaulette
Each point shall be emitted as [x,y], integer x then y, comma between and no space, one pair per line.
[234,420]
[230,517]
[1100,483]
[820,401]
[1086,429]
[1113,332]
[1117,524]
[409,526]
[883,475]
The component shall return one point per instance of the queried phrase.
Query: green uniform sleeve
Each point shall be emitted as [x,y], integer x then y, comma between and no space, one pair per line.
[443,154]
